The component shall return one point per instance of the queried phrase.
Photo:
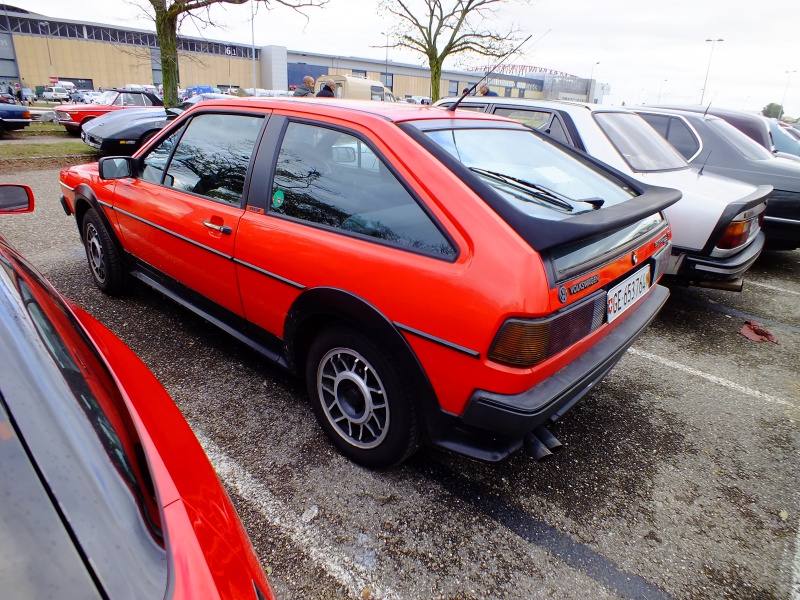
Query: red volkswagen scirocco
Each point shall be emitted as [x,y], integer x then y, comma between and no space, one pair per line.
[455,279]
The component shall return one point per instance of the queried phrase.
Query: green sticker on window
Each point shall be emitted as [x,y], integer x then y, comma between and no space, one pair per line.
[277,198]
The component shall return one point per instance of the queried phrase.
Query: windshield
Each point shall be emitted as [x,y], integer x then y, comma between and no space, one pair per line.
[530,172]
[640,145]
[107,98]
[744,144]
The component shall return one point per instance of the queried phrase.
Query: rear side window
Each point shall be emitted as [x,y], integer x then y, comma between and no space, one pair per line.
[676,132]
[538,119]
[641,147]
[334,179]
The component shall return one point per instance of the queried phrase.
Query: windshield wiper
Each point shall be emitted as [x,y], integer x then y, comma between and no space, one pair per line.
[535,189]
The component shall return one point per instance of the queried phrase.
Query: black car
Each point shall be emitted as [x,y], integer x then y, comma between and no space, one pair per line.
[766,132]
[718,147]
[123,132]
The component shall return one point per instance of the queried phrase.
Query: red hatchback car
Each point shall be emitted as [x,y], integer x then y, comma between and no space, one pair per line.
[453,278]
[106,493]
[74,116]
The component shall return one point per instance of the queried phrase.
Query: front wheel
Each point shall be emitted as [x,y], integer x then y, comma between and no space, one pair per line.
[104,260]
[361,399]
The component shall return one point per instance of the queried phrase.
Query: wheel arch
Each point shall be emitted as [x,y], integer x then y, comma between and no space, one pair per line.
[86,199]
[316,309]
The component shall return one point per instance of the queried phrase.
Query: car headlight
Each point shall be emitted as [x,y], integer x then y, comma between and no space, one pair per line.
[63,116]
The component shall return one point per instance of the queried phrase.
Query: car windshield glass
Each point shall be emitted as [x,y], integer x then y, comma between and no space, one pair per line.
[107,98]
[639,144]
[530,172]
[739,140]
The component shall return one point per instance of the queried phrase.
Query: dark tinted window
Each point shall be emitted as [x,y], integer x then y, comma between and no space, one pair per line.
[682,138]
[658,122]
[213,155]
[335,179]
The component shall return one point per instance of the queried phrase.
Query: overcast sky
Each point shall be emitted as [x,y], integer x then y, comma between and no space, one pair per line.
[643,47]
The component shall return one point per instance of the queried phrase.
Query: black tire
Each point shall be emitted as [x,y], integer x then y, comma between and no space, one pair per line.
[361,399]
[105,264]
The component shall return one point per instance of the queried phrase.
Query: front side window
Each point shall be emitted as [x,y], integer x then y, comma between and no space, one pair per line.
[336,180]
[530,172]
[155,163]
[213,155]
[639,144]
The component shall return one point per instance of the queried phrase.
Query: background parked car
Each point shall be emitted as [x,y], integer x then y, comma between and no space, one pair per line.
[760,129]
[7,99]
[716,225]
[106,491]
[13,117]
[74,117]
[123,132]
[299,228]
[28,95]
[716,146]
[55,94]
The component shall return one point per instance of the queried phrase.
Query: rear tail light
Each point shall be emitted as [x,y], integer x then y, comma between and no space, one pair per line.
[738,231]
[527,342]
[26,114]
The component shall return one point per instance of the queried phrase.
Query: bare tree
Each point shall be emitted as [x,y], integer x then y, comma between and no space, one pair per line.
[438,31]
[168,15]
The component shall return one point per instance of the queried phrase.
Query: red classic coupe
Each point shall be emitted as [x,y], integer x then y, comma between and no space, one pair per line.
[74,116]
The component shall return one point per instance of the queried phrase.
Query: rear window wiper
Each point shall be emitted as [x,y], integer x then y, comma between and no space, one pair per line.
[534,189]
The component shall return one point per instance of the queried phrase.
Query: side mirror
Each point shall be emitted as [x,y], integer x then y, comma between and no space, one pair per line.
[343,154]
[15,198]
[116,167]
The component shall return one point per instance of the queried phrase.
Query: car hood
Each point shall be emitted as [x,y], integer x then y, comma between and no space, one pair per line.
[125,120]
[705,198]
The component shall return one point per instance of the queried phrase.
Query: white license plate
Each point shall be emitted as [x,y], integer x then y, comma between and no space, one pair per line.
[621,297]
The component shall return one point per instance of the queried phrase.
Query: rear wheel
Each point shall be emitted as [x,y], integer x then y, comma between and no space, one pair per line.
[105,263]
[361,399]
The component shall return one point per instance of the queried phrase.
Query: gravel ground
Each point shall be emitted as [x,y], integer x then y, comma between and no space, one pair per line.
[679,477]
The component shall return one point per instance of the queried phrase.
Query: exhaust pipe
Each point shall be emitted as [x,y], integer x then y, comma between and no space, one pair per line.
[735,285]
[548,439]
[535,448]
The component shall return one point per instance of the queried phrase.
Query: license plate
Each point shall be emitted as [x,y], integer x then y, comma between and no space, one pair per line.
[623,296]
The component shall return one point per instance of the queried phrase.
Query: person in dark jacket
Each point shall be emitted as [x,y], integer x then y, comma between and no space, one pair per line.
[306,88]
[328,89]
[485,91]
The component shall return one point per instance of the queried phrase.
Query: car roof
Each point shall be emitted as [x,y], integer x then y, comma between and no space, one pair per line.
[568,105]
[389,111]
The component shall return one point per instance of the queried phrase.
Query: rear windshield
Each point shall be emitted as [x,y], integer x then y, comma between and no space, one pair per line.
[640,145]
[530,172]
[744,144]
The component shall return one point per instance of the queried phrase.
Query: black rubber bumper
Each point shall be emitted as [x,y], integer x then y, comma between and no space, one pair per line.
[724,269]
[516,415]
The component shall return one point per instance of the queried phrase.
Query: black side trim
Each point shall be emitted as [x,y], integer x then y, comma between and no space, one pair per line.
[263,342]
[437,340]
[170,232]
[288,282]
[544,234]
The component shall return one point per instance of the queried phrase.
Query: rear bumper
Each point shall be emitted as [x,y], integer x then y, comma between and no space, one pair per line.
[706,268]
[492,425]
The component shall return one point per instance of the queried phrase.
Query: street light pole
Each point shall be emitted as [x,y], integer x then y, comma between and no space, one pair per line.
[386,61]
[786,89]
[713,43]
[660,87]
[591,79]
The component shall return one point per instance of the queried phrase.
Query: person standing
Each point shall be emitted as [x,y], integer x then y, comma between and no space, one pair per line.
[328,90]
[20,97]
[306,88]
[485,91]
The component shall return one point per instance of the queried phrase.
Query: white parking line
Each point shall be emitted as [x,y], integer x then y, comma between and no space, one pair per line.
[713,378]
[350,575]
[771,287]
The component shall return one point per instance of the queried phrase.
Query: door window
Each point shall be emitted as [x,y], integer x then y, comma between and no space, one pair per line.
[212,156]
[334,179]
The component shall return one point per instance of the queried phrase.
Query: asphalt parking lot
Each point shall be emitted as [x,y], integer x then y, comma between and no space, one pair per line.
[679,477]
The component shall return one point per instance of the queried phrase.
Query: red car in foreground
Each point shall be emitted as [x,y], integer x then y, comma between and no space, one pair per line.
[453,278]
[106,493]
[74,116]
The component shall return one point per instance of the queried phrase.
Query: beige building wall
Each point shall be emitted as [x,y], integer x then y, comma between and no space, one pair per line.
[112,65]
[107,65]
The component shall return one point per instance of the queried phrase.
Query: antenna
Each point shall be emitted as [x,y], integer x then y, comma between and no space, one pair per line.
[700,172]
[705,112]
[471,89]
